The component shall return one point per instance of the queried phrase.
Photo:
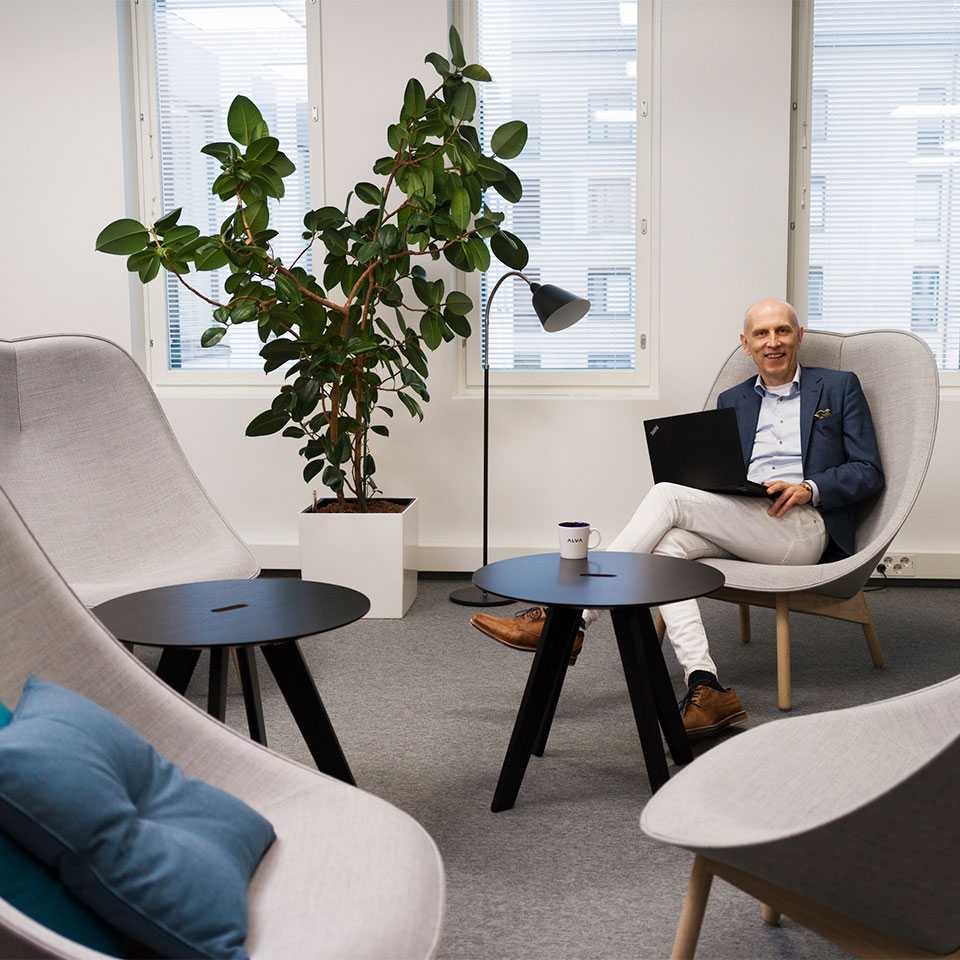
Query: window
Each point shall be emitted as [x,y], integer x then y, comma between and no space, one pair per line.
[610,205]
[818,203]
[883,173]
[925,300]
[927,196]
[207,51]
[815,296]
[579,173]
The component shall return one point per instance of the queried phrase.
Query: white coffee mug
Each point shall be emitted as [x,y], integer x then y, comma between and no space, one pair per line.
[575,539]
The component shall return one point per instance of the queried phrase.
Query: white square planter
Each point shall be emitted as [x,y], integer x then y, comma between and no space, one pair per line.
[370,552]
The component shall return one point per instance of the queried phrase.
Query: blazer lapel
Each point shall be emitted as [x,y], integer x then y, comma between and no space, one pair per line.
[748,413]
[811,385]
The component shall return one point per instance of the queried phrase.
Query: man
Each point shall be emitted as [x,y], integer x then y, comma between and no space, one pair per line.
[807,435]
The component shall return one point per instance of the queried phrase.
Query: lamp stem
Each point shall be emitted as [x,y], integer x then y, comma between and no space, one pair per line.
[486,401]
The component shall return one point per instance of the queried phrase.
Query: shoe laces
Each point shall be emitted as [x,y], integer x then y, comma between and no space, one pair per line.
[694,697]
[533,614]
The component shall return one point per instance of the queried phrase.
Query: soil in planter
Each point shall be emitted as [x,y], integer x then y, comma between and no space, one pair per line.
[351,506]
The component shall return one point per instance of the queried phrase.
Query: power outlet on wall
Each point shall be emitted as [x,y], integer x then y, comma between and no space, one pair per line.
[897,565]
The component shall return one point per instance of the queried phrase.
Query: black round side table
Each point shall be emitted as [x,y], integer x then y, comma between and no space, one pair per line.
[220,615]
[627,584]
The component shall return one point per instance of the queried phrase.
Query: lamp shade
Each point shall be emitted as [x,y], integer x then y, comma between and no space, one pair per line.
[557,308]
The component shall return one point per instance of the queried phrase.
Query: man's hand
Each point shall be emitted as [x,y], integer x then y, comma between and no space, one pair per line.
[789,495]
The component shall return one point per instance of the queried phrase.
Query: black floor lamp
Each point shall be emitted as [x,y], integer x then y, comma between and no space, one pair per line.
[557,309]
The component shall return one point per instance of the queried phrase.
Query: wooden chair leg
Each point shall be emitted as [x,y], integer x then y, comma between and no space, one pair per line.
[691,917]
[744,622]
[660,626]
[870,635]
[783,653]
[770,916]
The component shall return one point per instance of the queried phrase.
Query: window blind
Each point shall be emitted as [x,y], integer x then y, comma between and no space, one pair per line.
[884,196]
[568,69]
[208,51]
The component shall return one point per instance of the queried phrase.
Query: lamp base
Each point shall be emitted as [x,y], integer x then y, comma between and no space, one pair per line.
[475,597]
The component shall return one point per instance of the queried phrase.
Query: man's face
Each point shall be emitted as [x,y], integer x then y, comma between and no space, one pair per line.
[772,340]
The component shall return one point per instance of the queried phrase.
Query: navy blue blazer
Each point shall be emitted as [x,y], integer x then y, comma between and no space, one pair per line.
[839,448]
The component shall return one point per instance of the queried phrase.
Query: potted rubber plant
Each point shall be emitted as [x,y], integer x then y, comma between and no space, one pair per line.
[352,342]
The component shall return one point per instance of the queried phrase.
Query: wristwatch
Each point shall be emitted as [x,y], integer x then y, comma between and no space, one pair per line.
[809,486]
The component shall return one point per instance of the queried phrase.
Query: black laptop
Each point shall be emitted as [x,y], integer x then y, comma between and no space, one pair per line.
[700,450]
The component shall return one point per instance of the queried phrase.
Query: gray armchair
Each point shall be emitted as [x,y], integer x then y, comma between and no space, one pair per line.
[844,821]
[89,460]
[899,378]
[349,875]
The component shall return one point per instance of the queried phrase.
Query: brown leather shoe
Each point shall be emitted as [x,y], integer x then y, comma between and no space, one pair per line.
[520,632]
[706,710]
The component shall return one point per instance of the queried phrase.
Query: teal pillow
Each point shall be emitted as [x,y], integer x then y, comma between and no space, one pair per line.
[34,890]
[161,857]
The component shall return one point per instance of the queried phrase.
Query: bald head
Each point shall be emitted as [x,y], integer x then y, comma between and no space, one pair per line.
[770,310]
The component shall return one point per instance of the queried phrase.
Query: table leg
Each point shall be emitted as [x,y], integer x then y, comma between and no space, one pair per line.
[247,666]
[626,625]
[663,696]
[540,745]
[553,653]
[217,683]
[286,662]
[176,667]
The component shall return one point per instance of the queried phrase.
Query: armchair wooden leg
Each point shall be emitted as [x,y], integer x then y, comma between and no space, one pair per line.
[660,626]
[691,917]
[870,635]
[744,622]
[770,916]
[783,653]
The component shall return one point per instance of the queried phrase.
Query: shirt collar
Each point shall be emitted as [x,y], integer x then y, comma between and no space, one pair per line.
[760,388]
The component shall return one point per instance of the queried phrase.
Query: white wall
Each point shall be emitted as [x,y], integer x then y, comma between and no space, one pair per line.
[722,222]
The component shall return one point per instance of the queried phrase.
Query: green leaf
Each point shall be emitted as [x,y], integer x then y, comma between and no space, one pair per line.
[510,187]
[367,251]
[222,151]
[369,193]
[459,303]
[287,289]
[262,151]
[431,329]
[312,468]
[389,236]
[257,216]
[458,324]
[180,235]
[414,99]
[225,186]
[296,432]
[326,218]
[212,336]
[424,290]
[149,270]
[440,64]
[475,72]
[460,208]
[282,165]
[332,477]
[411,405]
[271,421]
[210,258]
[243,120]
[510,250]
[464,103]
[123,237]
[478,254]
[141,259]
[456,48]
[509,139]
[167,221]
[380,429]
[242,311]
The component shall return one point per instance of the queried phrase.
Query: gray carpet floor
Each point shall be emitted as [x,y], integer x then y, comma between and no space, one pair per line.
[424,708]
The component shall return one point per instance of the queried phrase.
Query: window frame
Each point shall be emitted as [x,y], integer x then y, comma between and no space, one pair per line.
[178,381]
[801,138]
[643,380]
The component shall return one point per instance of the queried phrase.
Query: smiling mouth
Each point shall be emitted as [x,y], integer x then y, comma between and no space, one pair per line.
[774,356]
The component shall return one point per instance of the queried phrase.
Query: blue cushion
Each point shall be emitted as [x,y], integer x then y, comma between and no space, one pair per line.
[34,890]
[163,858]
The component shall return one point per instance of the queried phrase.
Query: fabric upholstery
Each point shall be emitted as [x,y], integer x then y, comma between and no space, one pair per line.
[88,457]
[900,381]
[162,857]
[853,809]
[28,885]
[349,875]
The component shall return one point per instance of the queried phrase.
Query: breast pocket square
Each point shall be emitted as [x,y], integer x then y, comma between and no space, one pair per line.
[823,414]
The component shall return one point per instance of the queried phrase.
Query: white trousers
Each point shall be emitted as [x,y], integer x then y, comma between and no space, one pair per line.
[677,521]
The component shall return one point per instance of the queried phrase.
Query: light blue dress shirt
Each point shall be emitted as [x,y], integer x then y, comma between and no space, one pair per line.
[777,452]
